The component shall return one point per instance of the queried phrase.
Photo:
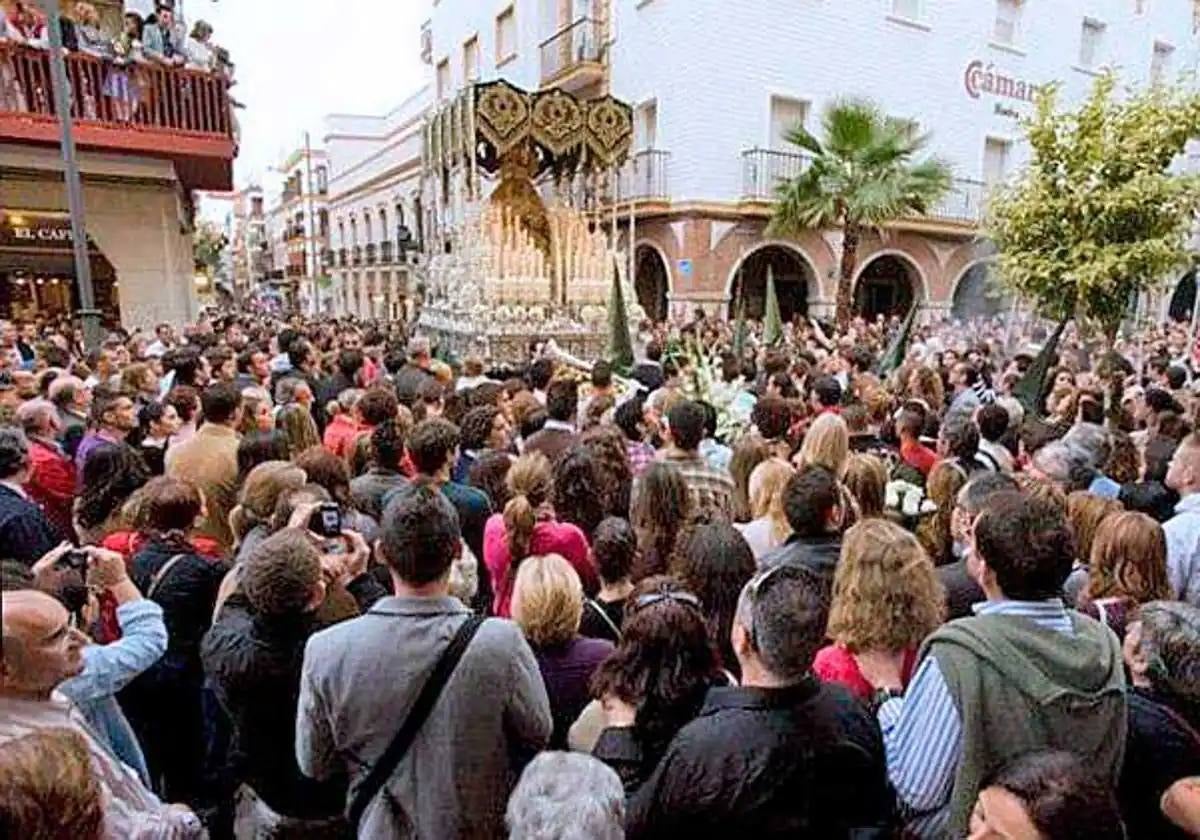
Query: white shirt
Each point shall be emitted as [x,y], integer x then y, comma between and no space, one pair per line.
[1002,457]
[1183,549]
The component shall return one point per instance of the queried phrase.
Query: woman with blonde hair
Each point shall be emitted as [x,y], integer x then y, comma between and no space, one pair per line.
[528,526]
[769,528]
[886,599]
[1085,512]
[945,480]
[250,520]
[866,479]
[826,444]
[1127,568]
[298,428]
[547,604]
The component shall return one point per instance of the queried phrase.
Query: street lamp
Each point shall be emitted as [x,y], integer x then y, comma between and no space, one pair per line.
[89,315]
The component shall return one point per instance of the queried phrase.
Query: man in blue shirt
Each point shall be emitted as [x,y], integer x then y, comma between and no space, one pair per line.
[1008,680]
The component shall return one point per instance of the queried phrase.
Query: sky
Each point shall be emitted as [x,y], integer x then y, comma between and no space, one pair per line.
[299,60]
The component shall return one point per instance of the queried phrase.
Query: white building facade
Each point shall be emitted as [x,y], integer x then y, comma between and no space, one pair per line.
[716,84]
[375,209]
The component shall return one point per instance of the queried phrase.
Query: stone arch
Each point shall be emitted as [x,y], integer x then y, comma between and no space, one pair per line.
[795,279]
[977,293]
[1183,299]
[888,283]
[652,279]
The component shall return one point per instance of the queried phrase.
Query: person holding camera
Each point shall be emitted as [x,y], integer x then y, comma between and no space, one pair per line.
[51,679]
[252,657]
[80,578]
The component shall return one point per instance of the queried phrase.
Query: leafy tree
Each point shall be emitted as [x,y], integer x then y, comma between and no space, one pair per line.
[208,242]
[1097,217]
[861,176]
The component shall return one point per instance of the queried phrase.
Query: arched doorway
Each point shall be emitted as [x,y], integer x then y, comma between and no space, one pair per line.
[651,282]
[979,294]
[793,278]
[1183,302]
[887,286]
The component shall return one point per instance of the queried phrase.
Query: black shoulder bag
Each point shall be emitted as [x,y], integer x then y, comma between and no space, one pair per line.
[417,715]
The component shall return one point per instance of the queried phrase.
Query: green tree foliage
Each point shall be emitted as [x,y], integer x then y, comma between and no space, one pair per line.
[208,242]
[1097,217]
[862,174]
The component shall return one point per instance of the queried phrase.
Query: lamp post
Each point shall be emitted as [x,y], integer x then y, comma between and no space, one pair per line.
[89,315]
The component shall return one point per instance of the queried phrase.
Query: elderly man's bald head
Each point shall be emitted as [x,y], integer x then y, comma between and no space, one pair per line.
[40,647]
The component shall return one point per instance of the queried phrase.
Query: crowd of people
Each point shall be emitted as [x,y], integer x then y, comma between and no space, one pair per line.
[151,34]
[308,578]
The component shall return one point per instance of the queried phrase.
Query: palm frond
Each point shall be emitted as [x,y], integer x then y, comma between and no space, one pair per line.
[851,125]
[800,136]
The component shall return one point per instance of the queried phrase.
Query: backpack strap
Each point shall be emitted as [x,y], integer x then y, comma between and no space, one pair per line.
[443,669]
[604,616]
[161,574]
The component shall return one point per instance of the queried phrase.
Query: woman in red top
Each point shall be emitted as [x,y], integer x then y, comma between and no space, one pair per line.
[528,527]
[886,600]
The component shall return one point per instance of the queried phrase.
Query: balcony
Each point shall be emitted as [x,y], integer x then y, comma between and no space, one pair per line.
[764,169]
[965,202]
[573,57]
[181,115]
[371,253]
[385,253]
[644,177]
[357,255]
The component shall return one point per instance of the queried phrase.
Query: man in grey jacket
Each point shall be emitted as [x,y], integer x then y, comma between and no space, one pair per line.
[361,677]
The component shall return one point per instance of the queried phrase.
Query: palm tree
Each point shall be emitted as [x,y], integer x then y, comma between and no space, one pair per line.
[861,175]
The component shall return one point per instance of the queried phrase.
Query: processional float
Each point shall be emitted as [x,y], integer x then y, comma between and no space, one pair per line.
[520,250]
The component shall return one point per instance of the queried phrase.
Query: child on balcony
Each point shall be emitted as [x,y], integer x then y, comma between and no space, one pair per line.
[121,86]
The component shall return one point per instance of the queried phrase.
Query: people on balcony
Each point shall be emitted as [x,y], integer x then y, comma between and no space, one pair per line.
[26,24]
[165,40]
[200,50]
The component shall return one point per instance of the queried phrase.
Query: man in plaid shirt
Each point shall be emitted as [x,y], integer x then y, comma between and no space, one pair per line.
[711,489]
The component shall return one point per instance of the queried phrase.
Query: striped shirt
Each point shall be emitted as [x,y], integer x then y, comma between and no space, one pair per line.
[922,731]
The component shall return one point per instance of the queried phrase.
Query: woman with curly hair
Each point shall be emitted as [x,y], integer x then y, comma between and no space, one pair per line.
[924,384]
[1127,568]
[607,446]
[663,513]
[111,475]
[663,667]
[528,527]
[1085,512]
[579,489]
[886,599]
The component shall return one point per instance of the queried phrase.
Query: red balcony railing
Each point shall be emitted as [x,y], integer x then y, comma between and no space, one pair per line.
[139,108]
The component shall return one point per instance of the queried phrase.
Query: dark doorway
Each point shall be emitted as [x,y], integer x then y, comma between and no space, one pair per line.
[980,295]
[1183,302]
[885,287]
[792,278]
[651,283]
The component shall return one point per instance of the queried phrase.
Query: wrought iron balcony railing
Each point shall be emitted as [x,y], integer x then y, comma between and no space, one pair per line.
[575,45]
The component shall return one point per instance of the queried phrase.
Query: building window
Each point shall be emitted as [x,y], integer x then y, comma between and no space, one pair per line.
[786,114]
[995,160]
[1090,41]
[322,180]
[399,217]
[908,9]
[506,35]
[645,126]
[443,79]
[1160,64]
[1008,21]
[471,59]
